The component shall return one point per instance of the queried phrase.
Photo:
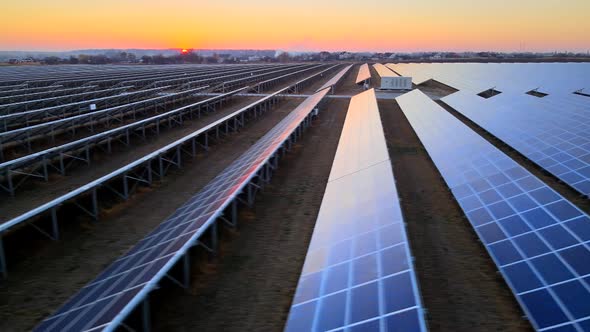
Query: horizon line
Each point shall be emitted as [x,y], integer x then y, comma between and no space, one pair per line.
[298,51]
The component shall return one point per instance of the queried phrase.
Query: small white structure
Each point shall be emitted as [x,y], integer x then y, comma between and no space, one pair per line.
[396,83]
[391,80]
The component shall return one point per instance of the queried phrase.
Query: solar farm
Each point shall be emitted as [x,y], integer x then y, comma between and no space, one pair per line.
[295,197]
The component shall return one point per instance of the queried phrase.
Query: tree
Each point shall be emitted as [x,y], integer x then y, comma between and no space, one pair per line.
[52,60]
[147,59]
[83,58]
[131,57]
[159,59]
[99,59]
[284,57]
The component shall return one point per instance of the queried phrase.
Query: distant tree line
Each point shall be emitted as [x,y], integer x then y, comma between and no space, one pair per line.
[99,59]
[191,56]
[160,59]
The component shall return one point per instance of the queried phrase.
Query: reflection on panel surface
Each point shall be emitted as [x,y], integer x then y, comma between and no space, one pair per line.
[358,274]
[538,239]
[363,74]
[553,132]
[550,78]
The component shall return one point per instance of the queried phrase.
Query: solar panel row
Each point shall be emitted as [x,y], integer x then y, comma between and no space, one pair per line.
[264,85]
[515,77]
[32,117]
[23,106]
[105,302]
[18,93]
[334,80]
[363,74]
[383,71]
[39,164]
[141,170]
[71,76]
[553,134]
[44,92]
[358,273]
[539,241]
[47,129]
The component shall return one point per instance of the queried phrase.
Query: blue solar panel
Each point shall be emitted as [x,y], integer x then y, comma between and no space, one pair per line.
[358,273]
[538,239]
[506,77]
[106,301]
[551,131]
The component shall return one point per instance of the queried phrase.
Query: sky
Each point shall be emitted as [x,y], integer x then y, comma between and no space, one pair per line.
[303,25]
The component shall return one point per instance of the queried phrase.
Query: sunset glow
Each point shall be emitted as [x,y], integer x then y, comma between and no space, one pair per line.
[378,25]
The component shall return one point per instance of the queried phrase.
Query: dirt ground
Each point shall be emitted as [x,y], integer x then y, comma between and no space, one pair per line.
[460,287]
[250,286]
[47,273]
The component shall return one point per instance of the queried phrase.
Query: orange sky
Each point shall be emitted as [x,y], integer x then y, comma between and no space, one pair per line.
[379,25]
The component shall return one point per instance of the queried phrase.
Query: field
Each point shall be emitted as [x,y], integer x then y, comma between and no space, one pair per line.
[96,160]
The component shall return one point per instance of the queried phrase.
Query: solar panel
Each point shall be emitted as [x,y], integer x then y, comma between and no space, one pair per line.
[384,71]
[334,80]
[358,272]
[106,301]
[363,74]
[33,104]
[537,238]
[550,131]
[515,77]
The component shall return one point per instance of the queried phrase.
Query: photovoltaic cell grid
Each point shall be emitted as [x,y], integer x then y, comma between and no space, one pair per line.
[550,131]
[384,71]
[358,273]
[363,74]
[538,239]
[515,77]
[107,300]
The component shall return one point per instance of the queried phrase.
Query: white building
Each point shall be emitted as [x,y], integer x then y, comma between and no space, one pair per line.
[391,80]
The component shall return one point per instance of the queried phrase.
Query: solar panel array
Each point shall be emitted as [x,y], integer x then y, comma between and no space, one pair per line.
[28,118]
[383,71]
[105,302]
[539,240]
[516,77]
[334,80]
[358,273]
[27,79]
[363,74]
[550,131]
